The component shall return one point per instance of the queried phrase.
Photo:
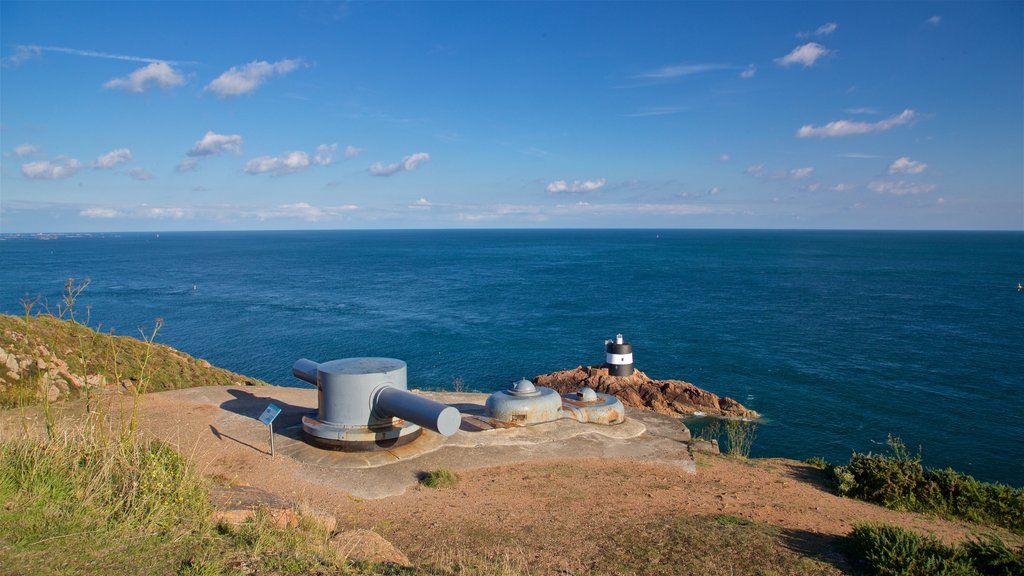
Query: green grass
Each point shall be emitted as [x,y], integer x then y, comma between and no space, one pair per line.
[74,506]
[90,352]
[706,545]
[440,478]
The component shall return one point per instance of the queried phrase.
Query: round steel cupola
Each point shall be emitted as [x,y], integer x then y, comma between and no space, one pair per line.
[524,403]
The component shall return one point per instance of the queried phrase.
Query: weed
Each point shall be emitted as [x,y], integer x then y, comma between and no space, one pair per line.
[440,478]
[740,435]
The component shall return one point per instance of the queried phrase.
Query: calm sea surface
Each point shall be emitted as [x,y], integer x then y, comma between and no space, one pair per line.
[838,338]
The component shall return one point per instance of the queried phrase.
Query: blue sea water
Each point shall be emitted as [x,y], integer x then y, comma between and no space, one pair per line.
[839,338]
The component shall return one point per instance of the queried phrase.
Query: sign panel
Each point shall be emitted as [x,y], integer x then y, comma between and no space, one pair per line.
[269,414]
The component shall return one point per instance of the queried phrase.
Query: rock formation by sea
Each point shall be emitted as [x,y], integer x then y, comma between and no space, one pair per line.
[665,396]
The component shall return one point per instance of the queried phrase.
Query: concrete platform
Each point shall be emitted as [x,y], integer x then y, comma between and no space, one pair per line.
[219,427]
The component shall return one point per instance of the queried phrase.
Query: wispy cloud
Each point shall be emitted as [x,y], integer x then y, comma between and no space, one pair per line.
[862,110]
[351,151]
[302,211]
[934,20]
[858,155]
[800,173]
[823,30]
[59,169]
[905,165]
[749,71]
[22,54]
[654,111]
[576,186]
[291,162]
[24,150]
[140,174]
[806,55]
[159,74]
[680,70]
[99,213]
[407,164]
[113,158]
[900,188]
[852,127]
[240,80]
[31,51]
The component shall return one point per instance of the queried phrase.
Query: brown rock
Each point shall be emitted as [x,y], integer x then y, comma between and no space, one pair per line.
[639,390]
[368,546]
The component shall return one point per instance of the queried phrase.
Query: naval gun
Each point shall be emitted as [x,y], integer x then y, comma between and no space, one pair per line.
[364,404]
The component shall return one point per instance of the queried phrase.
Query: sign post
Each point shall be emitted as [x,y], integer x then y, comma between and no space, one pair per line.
[268,419]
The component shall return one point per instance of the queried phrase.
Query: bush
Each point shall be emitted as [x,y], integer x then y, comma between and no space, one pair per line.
[899,481]
[891,550]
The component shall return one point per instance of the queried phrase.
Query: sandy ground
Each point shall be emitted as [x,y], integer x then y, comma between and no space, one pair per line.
[552,514]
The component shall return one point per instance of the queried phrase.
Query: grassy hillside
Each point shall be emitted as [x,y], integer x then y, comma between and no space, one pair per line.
[42,355]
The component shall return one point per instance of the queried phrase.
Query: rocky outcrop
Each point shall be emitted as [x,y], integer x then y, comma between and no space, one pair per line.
[639,390]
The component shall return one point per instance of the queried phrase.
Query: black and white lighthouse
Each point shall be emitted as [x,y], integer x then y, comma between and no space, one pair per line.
[618,357]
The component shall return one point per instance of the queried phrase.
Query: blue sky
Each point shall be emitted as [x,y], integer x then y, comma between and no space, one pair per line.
[121,116]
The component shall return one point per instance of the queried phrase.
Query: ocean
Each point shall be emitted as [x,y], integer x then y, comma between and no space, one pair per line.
[839,338]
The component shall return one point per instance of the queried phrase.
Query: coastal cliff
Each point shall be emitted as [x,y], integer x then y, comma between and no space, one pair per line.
[45,355]
[673,397]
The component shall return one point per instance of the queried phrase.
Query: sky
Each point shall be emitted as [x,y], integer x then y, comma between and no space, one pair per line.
[150,116]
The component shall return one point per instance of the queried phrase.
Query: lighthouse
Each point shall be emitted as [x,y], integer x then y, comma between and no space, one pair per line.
[618,357]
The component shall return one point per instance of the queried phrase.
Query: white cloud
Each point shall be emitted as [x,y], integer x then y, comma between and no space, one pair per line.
[749,72]
[57,170]
[351,151]
[302,210]
[940,200]
[823,30]
[843,187]
[156,74]
[172,213]
[858,155]
[22,54]
[23,150]
[799,173]
[576,185]
[408,163]
[98,213]
[724,157]
[862,110]
[187,165]
[140,174]
[905,165]
[245,79]
[37,50]
[285,164]
[806,55]
[934,20]
[113,158]
[212,144]
[667,72]
[324,154]
[851,127]
[423,202]
[755,170]
[900,188]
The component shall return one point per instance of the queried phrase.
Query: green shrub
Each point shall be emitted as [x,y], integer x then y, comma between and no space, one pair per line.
[819,463]
[440,478]
[899,481]
[891,550]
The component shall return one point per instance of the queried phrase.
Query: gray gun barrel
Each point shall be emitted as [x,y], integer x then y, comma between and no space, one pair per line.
[305,369]
[370,392]
[440,418]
